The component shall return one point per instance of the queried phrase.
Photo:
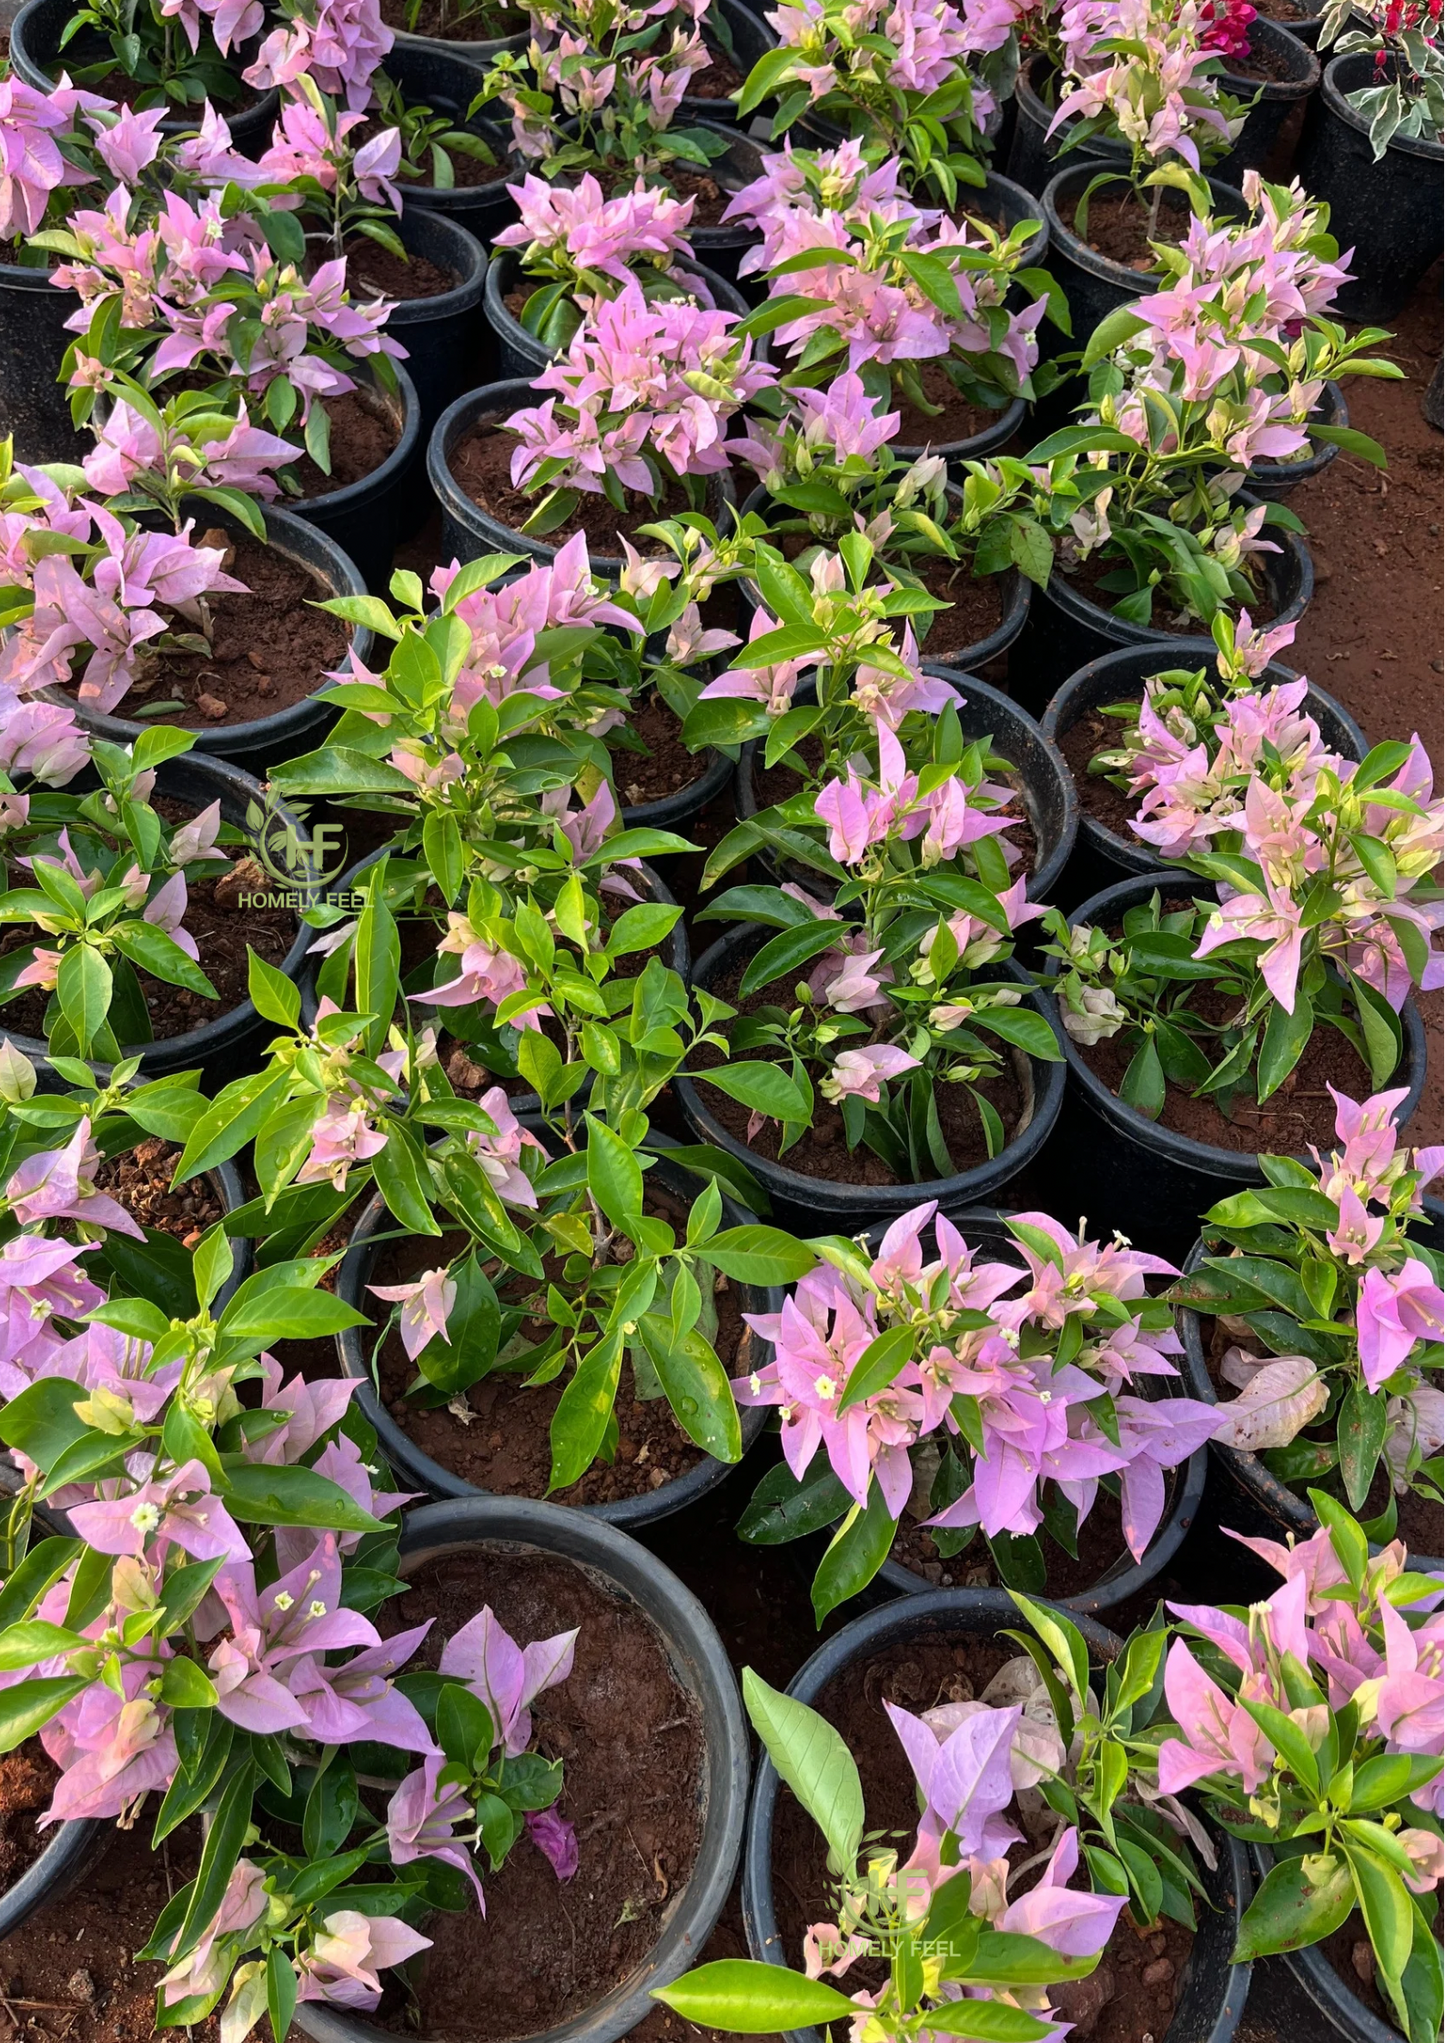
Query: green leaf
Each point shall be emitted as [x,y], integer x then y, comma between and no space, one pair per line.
[743,1997]
[614,1176]
[273,995]
[697,1388]
[1290,1911]
[856,1552]
[32,1640]
[753,1254]
[1286,1037]
[764,1088]
[332,1808]
[260,1494]
[186,1687]
[1289,1741]
[82,986]
[1385,1905]
[881,1361]
[442,845]
[222,1849]
[42,1421]
[401,1178]
[785,1506]
[812,1759]
[785,953]
[583,1410]
[1362,1429]
[24,1708]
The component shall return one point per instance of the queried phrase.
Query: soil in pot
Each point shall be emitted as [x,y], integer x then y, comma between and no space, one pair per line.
[375,272]
[720,80]
[1286,11]
[141,1180]
[497,1436]
[222,928]
[1100,1543]
[666,768]
[363,435]
[1119,228]
[481,465]
[27,1782]
[445,23]
[977,603]
[823,1151]
[631,1742]
[68,1974]
[1098,797]
[1263,63]
[1087,576]
[957,420]
[1132,1993]
[270,648]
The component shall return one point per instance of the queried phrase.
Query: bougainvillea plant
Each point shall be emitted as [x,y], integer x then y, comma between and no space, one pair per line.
[178,52]
[581,246]
[1405,93]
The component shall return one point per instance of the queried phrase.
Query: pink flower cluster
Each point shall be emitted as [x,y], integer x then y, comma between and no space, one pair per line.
[927,38]
[1035,1419]
[337,43]
[1137,64]
[568,230]
[32,164]
[302,145]
[643,391]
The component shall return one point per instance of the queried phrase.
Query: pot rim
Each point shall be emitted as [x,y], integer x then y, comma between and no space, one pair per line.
[1266,91]
[353,495]
[1332,92]
[1225,197]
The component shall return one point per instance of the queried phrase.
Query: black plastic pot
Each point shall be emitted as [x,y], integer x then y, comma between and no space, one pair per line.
[1094,284]
[722,248]
[1184,1486]
[1121,1171]
[33,341]
[255,746]
[699,1664]
[1065,631]
[36,56]
[418,1470]
[1213,1991]
[1275,479]
[751,38]
[1033,155]
[1101,856]
[1274,98]
[1391,213]
[1264,1502]
[430,75]
[468,531]
[370,518]
[1046,785]
[810,1205]
[445,336]
[477,56]
[220,1048]
[1307,27]
[521,355]
[74,1850]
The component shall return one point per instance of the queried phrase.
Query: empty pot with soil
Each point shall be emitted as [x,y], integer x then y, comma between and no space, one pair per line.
[1066,628]
[437,315]
[1106,850]
[1153,1179]
[822,1182]
[655,1748]
[947,1646]
[520,355]
[494,1438]
[1278,74]
[469,462]
[252,700]
[373,497]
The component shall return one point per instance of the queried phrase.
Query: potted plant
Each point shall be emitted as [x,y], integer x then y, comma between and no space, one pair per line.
[982,1745]
[946,1408]
[1327,1353]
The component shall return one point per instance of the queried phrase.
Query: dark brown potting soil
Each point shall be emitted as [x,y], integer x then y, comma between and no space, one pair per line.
[270,648]
[721,78]
[631,1743]
[957,420]
[27,1782]
[1129,1997]
[1287,11]
[374,272]
[222,928]
[977,612]
[363,436]
[1108,805]
[481,463]
[141,1181]
[1100,1542]
[1350,1957]
[823,1151]
[448,23]
[1118,226]
[667,766]
[710,195]
[69,1974]
[1261,63]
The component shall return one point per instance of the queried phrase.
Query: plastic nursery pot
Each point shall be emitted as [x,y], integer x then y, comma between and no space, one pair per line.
[443,336]
[1184,1485]
[1392,212]
[809,1204]
[468,531]
[1015,588]
[1212,1992]
[1264,1502]
[429,75]
[33,340]
[720,247]
[975,446]
[370,517]
[1095,285]
[750,37]
[676,811]
[417,1469]
[264,741]
[221,1047]
[1122,1171]
[521,354]
[1033,155]
[1294,73]
[37,58]
[73,1852]
[1102,856]
[1065,630]
[407,48]
[1275,479]
[700,1666]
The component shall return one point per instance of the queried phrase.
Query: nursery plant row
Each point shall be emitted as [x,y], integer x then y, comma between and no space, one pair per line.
[655,812]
